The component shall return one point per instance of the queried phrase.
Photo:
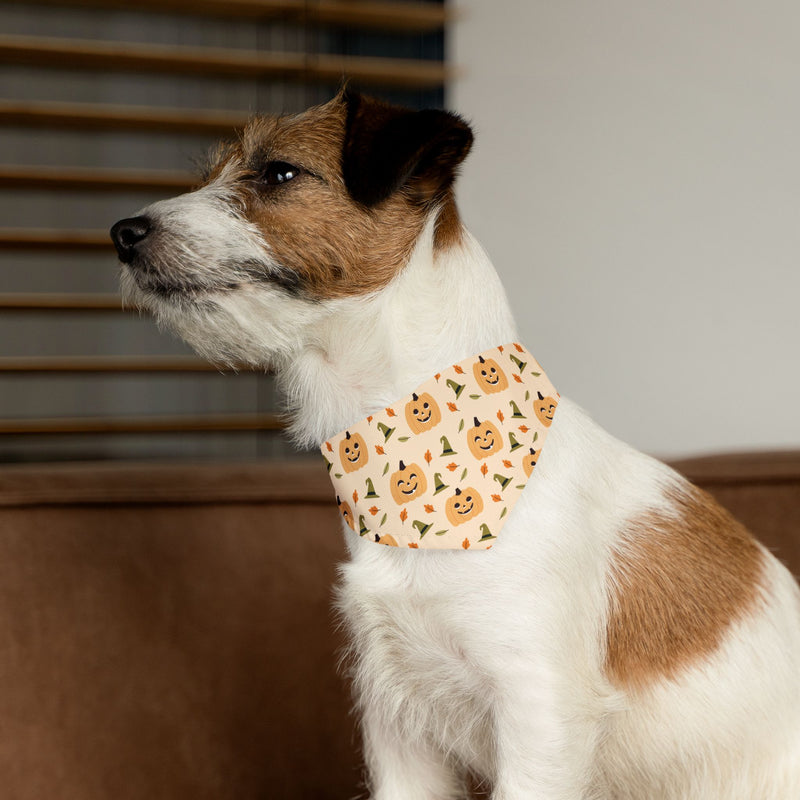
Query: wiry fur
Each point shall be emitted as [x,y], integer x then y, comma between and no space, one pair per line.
[497,662]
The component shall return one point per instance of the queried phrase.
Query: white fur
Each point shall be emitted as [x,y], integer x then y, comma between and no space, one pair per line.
[493,661]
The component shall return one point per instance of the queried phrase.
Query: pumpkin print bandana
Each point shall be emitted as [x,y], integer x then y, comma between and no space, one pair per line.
[443,467]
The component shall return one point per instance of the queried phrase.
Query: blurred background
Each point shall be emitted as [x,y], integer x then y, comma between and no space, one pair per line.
[106,107]
[635,180]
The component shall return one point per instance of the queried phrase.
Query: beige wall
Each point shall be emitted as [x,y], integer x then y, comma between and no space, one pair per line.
[636,180]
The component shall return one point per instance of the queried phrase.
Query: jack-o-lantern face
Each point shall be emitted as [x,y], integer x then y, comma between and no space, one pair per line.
[544,408]
[463,505]
[489,375]
[407,483]
[529,461]
[422,413]
[346,512]
[484,439]
[353,452]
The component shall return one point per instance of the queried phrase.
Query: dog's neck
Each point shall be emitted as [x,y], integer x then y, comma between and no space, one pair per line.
[365,353]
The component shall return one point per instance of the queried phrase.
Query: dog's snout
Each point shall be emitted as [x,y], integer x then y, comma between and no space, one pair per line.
[126,235]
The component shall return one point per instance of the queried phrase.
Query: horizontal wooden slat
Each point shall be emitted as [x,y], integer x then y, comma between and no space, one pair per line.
[302,480]
[181,60]
[151,424]
[50,239]
[89,116]
[60,302]
[96,180]
[70,365]
[394,16]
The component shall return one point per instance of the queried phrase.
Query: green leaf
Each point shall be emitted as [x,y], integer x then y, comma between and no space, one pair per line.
[403,438]
[383,520]
[503,512]
[520,486]
[337,474]
[475,396]
[386,468]
[461,426]
[440,533]
[464,474]
[527,395]
[536,374]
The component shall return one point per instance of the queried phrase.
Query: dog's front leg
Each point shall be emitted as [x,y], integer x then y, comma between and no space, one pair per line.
[545,744]
[401,769]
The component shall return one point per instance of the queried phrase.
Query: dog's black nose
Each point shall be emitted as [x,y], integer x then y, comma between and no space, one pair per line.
[126,234]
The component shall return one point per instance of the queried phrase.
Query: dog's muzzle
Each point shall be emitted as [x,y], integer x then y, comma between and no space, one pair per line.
[127,234]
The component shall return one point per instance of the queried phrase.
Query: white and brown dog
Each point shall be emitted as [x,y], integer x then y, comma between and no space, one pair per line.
[626,638]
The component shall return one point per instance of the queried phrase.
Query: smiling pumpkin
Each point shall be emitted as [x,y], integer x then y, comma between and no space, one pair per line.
[545,408]
[422,413]
[484,439]
[464,505]
[489,375]
[346,512]
[353,452]
[529,461]
[407,483]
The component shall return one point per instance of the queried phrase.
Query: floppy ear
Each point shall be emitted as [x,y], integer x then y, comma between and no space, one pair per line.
[387,147]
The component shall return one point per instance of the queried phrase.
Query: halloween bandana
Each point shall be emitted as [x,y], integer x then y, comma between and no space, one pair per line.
[443,467]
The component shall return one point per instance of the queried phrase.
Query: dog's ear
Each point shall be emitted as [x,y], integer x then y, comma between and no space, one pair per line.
[387,148]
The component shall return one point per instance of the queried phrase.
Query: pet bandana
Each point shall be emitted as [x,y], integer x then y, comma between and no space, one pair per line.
[443,467]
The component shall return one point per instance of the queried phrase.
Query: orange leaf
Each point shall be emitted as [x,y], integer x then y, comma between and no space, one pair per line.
[428,456]
[517,378]
[438,375]
[413,545]
[328,445]
[500,416]
[484,468]
[429,508]
[403,515]
[458,369]
[524,428]
[379,450]
[355,496]
[465,544]
[452,467]
[452,406]
[506,463]
[496,498]
[519,347]
[390,412]
[501,348]
[369,418]
[374,510]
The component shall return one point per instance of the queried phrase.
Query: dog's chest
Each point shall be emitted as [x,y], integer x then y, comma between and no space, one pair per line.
[416,658]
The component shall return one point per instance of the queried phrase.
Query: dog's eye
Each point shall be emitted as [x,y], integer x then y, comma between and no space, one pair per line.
[277,172]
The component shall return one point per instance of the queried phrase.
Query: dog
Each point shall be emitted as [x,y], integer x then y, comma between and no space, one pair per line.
[624,637]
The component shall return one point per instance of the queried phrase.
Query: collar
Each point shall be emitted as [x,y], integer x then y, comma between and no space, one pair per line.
[443,467]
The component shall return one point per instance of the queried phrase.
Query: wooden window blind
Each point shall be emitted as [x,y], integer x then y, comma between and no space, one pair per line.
[103,107]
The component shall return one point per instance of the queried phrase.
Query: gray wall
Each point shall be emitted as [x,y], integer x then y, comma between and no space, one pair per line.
[636,180]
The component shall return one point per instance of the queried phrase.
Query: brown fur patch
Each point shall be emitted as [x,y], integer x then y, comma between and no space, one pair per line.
[336,246]
[677,584]
[448,230]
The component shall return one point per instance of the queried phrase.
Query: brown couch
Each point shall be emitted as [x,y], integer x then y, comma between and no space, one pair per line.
[162,637]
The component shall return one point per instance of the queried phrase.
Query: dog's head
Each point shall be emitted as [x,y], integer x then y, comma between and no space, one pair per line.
[299,211]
